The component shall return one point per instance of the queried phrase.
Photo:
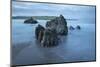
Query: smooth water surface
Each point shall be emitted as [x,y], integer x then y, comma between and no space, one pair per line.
[78,45]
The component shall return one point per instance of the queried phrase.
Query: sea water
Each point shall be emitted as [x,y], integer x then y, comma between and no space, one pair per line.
[78,45]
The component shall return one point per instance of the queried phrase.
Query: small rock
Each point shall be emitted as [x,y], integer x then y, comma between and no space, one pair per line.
[78,27]
[71,28]
[30,21]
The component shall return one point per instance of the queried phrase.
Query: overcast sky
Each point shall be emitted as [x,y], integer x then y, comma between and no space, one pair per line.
[43,9]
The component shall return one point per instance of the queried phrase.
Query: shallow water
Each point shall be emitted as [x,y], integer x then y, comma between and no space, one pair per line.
[79,45]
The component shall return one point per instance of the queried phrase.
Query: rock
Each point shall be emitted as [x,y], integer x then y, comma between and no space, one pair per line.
[39,32]
[30,21]
[78,27]
[71,28]
[50,38]
[47,37]
[59,24]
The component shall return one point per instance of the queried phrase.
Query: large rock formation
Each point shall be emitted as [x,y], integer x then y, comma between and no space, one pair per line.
[30,21]
[59,24]
[47,37]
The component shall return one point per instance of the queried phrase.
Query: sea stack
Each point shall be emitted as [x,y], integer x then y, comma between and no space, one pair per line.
[59,24]
[30,21]
[48,36]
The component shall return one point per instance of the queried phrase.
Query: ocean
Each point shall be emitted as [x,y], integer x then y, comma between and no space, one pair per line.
[78,45]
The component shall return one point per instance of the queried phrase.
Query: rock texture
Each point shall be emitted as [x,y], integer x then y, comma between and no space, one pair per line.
[30,21]
[59,24]
[47,37]
[39,32]
[50,38]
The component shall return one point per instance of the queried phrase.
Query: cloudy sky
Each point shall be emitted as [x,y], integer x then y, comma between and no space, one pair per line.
[43,9]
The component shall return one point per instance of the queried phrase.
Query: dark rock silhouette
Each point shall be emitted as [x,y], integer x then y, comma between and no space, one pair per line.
[39,32]
[78,27]
[59,24]
[71,28]
[47,37]
[30,21]
[50,38]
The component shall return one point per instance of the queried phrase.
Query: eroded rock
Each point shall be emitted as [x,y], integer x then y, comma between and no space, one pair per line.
[47,37]
[39,32]
[59,24]
[50,38]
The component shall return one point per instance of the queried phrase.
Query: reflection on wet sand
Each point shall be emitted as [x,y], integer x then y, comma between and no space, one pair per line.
[16,49]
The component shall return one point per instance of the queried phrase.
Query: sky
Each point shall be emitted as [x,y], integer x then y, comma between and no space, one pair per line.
[44,9]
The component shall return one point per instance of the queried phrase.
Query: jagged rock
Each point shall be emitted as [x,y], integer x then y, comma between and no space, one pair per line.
[71,28]
[59,24]
[78,27]
[30,21]
[50,38]
[47,37]
[39,32]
